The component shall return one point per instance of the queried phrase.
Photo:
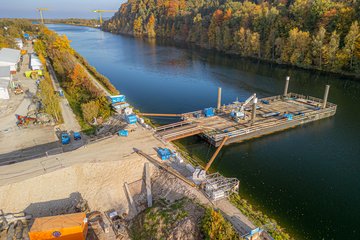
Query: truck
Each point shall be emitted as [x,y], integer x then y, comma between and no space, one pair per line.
[65,138]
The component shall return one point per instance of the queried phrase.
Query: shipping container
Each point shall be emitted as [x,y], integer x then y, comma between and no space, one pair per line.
[131,119]
[118,98]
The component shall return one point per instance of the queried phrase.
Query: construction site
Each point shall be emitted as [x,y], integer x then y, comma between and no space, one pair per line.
[74,186]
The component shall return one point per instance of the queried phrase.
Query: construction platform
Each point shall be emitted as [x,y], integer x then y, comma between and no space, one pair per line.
[272,114]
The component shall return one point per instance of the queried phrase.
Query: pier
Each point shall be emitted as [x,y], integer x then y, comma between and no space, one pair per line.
[240,121]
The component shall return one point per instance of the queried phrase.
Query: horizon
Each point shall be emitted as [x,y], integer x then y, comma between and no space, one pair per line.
[57,9]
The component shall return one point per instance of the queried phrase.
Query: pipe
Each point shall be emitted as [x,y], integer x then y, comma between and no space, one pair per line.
[160,114]
[286,86]
[216,153]
[219,99]
[326,94]
[253,113]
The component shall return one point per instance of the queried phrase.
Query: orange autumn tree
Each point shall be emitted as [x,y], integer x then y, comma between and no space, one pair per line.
[151,27]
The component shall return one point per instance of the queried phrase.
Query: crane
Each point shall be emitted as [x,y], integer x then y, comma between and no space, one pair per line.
[40,10]
[239,113]
[102,11]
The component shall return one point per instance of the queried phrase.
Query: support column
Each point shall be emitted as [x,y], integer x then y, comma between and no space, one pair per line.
[253,113]
[326,94]
[286,86]
[219,99]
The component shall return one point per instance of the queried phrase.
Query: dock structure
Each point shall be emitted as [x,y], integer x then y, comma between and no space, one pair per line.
[265,116]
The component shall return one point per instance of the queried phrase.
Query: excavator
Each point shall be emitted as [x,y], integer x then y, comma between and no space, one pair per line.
[239,112]
[23,121]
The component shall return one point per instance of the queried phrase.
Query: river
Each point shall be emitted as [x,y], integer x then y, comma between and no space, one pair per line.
[307,178]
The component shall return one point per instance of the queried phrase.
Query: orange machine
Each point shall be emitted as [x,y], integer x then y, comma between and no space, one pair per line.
[63,227]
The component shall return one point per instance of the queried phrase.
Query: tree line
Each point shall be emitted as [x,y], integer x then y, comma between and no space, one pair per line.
[320,34]
[87,101]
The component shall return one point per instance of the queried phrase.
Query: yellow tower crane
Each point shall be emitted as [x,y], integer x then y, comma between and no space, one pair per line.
[41,13]
[103,11]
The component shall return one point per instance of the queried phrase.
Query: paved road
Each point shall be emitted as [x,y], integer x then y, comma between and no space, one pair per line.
[70,121]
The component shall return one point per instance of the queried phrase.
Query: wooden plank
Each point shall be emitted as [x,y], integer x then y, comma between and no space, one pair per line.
[132,204]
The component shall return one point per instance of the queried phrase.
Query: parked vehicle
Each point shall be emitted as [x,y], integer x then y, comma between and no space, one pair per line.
[65,138]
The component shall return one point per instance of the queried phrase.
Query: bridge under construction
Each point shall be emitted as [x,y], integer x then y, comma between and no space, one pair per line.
[253,118]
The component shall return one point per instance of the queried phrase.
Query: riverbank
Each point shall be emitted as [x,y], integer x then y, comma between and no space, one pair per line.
[288,174]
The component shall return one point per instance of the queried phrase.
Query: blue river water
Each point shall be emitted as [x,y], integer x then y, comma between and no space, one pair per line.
[307,178]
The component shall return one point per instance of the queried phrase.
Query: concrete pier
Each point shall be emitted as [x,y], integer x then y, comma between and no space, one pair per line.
[219,99]
[326,94]
[286,86]
[253,113]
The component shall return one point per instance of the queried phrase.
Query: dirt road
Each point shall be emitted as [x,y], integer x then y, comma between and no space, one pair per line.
[70,121]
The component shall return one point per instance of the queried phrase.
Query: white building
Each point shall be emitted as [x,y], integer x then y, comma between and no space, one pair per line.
[19,43]
[35,63]
[10,58]
[5,79]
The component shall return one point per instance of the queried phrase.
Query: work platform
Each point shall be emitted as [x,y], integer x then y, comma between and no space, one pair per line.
[288,111]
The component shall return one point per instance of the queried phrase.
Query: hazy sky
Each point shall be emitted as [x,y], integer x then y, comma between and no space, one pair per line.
[57,8]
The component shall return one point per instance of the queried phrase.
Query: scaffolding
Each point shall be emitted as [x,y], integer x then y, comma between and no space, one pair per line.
[217,187]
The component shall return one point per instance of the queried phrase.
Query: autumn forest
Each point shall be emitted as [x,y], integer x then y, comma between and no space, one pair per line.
[318,34]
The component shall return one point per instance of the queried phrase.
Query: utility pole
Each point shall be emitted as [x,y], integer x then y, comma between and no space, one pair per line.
[41,13]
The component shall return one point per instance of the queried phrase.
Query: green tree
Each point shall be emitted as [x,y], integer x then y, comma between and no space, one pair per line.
[319,47]
[215,227]
[350,44]
[90,111]
[333,51]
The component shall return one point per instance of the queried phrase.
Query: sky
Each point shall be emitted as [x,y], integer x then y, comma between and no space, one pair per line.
[57,8]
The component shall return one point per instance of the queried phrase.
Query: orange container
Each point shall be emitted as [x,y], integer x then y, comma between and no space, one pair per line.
[23,52]
[62,227]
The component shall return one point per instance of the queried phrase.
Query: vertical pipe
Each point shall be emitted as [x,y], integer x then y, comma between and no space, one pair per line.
[286,86]
[253,113]
[41,16]
[326,94]
[219,99]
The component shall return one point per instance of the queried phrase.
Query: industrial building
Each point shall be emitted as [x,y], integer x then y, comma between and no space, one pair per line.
[5,79]
[11,58]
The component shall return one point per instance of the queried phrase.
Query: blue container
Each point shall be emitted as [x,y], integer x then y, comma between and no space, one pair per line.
[77,136]
[209,112]
[164,153]
[123,133]
[131,119]
[26,36]
[118,98]
[289,116]
[65,138]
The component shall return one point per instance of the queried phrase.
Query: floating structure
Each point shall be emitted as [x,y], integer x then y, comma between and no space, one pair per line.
[240,122]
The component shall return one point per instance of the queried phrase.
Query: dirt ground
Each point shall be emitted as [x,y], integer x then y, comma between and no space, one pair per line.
[13,138]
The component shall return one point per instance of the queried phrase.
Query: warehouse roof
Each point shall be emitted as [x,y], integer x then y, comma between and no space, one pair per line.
[4,71]
[9,55]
